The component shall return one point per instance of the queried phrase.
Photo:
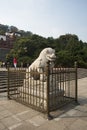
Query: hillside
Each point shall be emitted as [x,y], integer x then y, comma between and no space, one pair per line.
[27,47]
[13,29]
[8,35]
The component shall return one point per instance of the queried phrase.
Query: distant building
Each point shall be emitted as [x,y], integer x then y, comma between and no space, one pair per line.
[3,37]
[6,43]
[13,34]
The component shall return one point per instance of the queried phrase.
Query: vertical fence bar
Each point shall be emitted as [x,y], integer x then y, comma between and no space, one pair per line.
[8,95]
[76,86]
[48,91]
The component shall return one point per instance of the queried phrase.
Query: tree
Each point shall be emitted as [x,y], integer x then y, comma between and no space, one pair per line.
[64,58]
[68,49]
[13,29]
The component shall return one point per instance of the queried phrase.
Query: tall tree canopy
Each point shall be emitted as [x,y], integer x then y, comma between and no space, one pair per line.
[27,47]
[68,49]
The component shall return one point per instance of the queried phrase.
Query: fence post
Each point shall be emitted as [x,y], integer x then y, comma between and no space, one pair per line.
[21,64]
[8,82]
[48,91]
[76,85]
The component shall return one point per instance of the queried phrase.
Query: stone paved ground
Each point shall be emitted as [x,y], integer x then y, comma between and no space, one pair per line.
[15,116]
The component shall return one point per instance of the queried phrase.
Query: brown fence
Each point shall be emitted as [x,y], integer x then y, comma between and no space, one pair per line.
[3,80]
[45,91]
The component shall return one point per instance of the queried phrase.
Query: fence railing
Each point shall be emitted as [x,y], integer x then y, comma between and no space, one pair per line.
[45,91]
[3,80]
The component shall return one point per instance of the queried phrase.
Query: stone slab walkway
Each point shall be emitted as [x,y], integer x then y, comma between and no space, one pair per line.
[15,116]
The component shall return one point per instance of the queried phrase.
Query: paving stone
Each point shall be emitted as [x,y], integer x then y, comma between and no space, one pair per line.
[75,114]
[82,108]
[10,121]
[66,121]
[2,127]
[14,126]
[15,109]
[60,117]
[37,120]
[71,112]
[26,114]
[23,126]
[51,125]
[15,116]
[5,129]
[78,125]
[85,103]
[5,113]
[2,108]
[79,114]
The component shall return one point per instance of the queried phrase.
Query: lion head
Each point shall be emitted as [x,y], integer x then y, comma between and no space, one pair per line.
[48,54]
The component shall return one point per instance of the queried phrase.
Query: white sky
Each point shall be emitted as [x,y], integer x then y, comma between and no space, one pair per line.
[46,17]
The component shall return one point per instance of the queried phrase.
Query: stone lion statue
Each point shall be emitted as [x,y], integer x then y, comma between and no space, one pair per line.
[39,65]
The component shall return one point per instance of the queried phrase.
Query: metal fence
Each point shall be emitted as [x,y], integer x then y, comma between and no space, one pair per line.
[3,80]
[45,91]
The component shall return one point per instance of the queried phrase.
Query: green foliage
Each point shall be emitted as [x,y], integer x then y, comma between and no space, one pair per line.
[3,29]
[68,49]
[64,58]
[27,48]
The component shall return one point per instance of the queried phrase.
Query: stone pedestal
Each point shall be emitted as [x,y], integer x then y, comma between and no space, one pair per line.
[34,92]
